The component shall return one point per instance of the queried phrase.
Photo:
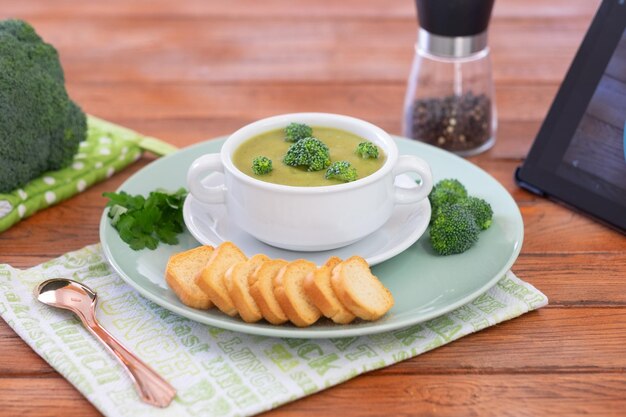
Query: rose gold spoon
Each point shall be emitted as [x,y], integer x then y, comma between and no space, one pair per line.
[81,300]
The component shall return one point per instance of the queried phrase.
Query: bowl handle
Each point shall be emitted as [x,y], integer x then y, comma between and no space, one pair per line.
[410,163]
[198,171]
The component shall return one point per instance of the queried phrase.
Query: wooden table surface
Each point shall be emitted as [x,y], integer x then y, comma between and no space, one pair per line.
[189,70]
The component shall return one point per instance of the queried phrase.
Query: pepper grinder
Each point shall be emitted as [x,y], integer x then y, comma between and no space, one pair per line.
[449,100]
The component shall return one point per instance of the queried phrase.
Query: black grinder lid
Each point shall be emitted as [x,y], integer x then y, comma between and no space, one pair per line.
[454,17]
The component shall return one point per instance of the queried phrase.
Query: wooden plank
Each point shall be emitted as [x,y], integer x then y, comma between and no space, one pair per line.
[514,137]
[550,340]
[469,395]
[553,339]
[281,8]
[551,228]
[42,397]
[528,103]
[410,395]
[215,50]
[570,279]
[184,114]
[19,359]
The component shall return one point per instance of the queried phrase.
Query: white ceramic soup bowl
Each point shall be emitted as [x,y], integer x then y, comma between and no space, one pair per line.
[309,218]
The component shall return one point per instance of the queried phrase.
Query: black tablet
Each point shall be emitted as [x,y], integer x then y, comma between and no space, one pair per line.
[579,155]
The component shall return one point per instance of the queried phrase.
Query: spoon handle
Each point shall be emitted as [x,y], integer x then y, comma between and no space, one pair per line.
[152,388]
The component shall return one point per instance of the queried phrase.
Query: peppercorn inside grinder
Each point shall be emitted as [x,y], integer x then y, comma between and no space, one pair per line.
[449,100]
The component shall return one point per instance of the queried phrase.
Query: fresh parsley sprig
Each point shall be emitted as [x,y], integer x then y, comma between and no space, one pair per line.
[143,222]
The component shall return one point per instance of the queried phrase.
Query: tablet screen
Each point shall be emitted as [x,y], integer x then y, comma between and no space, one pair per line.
[596,156]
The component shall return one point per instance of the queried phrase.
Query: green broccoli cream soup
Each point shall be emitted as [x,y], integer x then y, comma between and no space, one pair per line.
[342,147]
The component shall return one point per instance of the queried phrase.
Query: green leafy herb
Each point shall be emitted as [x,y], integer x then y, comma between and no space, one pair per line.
[143,222]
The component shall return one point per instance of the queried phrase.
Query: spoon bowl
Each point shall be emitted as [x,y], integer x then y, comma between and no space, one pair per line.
[66,294]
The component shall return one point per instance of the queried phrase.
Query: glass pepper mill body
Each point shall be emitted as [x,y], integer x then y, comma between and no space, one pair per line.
[449,100]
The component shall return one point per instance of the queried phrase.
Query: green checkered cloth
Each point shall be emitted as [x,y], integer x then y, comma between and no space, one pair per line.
[109,148]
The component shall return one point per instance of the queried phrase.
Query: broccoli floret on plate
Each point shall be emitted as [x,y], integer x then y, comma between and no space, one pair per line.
[310,153]
[480,209]
[40,127]
[261,165]
[452,185]
[296,131]
[448,191]
[454,230]
[341,170]
[367,150]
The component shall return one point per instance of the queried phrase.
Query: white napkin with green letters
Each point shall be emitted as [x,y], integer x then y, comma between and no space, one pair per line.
[216,372]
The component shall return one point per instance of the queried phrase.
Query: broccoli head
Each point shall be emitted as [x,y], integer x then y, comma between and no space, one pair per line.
[308,152]
[296,131]
[261,165]
[454,230]
[452,185]
[341,170]
[367,150]
[480,209]
[40,127]
[448,191]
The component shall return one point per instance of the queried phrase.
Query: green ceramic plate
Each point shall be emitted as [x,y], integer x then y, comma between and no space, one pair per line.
[423,284]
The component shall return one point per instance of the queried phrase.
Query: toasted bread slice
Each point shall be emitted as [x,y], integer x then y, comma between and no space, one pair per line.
[318,288]
[211,279]
[236,279]
[290,293]
[359,290]
[180,274]
[262,290]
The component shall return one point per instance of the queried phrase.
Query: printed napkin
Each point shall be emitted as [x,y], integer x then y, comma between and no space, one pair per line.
[216,372]
[108,148]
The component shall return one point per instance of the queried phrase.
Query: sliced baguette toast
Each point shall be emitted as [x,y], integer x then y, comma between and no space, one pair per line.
[211,279]
[180,274]
[262,290]
[359,290]
[290,293]
[318,288]
[236,279]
